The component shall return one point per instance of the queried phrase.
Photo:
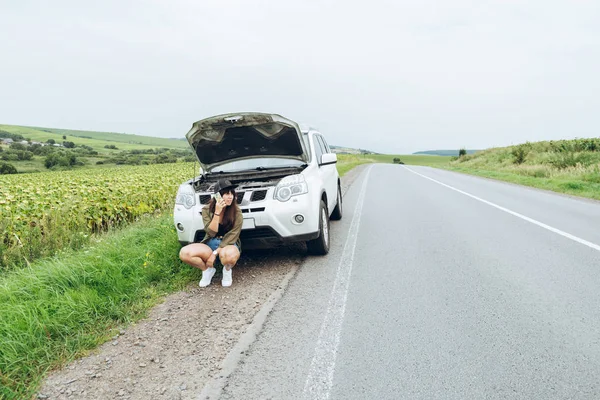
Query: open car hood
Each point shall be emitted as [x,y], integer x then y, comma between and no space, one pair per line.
[230,137]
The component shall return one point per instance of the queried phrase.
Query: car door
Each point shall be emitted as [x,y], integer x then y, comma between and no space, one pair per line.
[328,172]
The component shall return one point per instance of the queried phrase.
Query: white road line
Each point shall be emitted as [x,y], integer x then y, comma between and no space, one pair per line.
[516,214]
[320,377]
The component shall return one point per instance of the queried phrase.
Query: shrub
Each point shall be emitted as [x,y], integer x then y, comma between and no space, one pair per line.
[164,159]
[520,152]
[17,146]
[24,155]
[111,147]
[61,159]
[6,168]
[8,135]
[567,160]
[9,156]
[43,150]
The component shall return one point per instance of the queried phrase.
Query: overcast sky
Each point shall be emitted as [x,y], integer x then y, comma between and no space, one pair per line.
[393,76]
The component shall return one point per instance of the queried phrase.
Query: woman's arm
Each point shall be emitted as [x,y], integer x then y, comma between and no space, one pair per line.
[211,222]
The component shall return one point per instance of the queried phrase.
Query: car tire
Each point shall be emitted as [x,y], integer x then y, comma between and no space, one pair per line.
[320,245]
[336,215]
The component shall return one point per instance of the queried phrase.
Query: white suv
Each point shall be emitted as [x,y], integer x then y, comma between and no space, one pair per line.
[288,183]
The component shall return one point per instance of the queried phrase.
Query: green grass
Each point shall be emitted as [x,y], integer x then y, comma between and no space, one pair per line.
[60,308]
[348,161]
[36,164]
[565,166]
[412,159]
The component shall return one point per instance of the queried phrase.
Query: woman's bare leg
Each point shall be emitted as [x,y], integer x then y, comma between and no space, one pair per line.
[229,255]
[195,254]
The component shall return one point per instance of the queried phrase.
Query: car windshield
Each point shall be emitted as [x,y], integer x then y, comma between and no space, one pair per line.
[257,163]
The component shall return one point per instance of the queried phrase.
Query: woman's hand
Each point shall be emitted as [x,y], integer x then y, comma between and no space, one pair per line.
[220,206]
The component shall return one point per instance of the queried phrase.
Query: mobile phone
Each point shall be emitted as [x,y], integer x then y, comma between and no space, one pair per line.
[218,197]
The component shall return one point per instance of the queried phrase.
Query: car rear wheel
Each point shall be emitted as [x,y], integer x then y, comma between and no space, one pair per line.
[320,245]
[336,215]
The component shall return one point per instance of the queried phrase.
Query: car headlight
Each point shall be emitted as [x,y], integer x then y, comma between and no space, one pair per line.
[290,186]
[186,197]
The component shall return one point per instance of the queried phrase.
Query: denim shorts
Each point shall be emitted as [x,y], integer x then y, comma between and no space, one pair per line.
[214,243]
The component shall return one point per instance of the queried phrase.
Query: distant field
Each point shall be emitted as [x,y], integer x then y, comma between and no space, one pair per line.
[411,159]
[97,140]
[449,153]
[348,161]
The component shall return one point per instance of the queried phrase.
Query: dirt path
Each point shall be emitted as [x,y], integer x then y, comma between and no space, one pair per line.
[172,353]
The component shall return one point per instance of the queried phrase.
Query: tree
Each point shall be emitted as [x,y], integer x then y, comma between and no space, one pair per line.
[6,168]
[17,146]
[69,145]
[51,141]
[64,137]
[164,159]
[62,159]
[462,152]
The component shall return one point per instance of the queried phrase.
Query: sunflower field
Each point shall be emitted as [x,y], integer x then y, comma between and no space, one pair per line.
[44,212]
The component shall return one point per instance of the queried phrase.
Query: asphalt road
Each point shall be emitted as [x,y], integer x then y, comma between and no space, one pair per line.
[438,286]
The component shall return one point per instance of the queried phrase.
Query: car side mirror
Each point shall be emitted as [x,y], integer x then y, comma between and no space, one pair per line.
[329,158]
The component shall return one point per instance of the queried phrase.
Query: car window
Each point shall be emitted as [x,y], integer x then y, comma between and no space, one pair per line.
[318,149]
[326,145]
[323,144]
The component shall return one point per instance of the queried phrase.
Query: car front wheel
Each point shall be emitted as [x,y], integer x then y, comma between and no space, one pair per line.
[320,245]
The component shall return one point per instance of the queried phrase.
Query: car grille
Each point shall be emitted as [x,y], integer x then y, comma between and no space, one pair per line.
[252,210]
[258,233]
[204,198]
[258,195]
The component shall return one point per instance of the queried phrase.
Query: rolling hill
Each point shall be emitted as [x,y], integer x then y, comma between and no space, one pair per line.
[96,140]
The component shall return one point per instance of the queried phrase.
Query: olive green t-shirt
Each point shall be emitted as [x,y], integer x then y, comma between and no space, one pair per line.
[231,237]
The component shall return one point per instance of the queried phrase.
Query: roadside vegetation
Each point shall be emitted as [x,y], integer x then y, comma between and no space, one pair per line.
[60,308]
[46,212]
[565,166]
[348,161]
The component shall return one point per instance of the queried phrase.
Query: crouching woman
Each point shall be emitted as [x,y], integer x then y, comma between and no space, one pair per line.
[222,226]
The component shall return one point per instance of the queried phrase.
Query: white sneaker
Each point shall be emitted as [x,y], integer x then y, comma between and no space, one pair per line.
[227,277]
[207,277]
